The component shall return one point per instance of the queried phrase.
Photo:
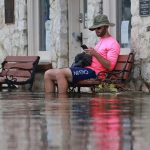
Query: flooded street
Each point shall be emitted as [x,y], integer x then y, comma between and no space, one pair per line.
[35,121]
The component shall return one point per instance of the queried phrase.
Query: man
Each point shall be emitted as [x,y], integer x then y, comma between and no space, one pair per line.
[104,57]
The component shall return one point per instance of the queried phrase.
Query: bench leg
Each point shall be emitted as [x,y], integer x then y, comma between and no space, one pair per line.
[30,86]
[93,89]
[79,89]
[0,86]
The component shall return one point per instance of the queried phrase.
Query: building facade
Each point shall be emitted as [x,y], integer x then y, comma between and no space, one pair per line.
[55,29]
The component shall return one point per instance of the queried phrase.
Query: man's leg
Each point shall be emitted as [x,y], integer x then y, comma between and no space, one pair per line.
[61,76]
[49,78]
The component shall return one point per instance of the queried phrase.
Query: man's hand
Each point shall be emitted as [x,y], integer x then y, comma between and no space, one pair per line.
[101,59]
[91,51]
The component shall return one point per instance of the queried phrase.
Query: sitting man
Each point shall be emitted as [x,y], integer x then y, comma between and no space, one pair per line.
[104,57]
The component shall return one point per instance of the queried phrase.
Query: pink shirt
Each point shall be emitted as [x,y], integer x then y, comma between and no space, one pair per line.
[109,48]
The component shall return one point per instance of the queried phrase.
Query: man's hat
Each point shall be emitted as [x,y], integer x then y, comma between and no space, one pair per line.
[100,20]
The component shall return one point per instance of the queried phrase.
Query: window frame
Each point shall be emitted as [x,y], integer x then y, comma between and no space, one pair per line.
[110,9]
[33,31]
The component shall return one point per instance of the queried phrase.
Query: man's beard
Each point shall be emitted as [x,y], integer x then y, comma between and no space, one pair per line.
[103,32]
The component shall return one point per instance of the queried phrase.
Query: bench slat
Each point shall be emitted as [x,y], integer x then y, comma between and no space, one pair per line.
[21,58]
[17,73]
[27,65]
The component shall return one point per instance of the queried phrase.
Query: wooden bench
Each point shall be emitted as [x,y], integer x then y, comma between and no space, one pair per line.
[19,70]
[119,76]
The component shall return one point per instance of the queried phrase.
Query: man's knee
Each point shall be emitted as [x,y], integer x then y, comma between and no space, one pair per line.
[60,74]
[48,74]
[63,73]
[52,73]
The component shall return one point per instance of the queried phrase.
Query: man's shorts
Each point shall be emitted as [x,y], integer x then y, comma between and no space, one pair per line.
[81,74]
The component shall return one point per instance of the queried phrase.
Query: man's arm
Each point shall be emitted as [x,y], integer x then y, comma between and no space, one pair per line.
[112,56]
[101,59]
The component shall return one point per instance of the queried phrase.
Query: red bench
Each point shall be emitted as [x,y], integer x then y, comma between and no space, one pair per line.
[19,70]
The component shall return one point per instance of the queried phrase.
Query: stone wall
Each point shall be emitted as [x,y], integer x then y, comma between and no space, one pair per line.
[93,10]
[13,37]
[59,33]
[140,43]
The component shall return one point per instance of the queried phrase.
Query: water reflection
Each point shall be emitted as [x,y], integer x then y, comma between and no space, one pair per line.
[92,123]
[22,127]
[34,121]
[108,124]
[105,123]
[58,126]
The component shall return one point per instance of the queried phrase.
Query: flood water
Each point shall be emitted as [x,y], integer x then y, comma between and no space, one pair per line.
[35,121]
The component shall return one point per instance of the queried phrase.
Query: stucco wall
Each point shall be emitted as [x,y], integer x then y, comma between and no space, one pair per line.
[59,33]
[140,42]
[13,37]
[93,10]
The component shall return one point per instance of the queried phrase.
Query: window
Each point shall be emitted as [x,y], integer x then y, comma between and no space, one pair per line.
[38,17]
[85,13]
[124,23]
[43,17]
[9,11]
